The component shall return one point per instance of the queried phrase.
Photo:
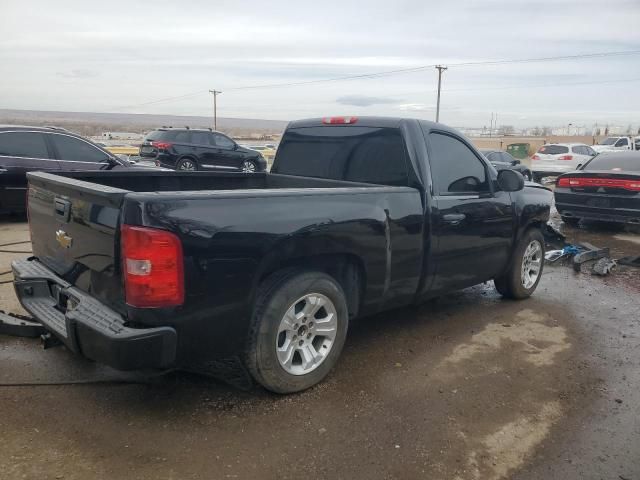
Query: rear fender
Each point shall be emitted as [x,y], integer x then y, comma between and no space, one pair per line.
[347,267]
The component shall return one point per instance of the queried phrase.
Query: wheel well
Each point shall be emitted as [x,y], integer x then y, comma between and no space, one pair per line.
[345,269]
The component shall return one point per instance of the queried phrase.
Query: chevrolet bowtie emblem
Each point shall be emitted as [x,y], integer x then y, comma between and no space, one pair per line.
[63,239]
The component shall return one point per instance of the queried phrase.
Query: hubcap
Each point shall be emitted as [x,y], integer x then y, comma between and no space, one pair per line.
[248,167]
[531,264]
[187,165]
[306,334]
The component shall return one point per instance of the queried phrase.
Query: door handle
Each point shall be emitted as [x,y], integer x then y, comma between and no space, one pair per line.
[454,218]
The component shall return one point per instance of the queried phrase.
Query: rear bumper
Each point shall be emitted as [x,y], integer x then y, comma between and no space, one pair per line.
[592,207]
[88,327]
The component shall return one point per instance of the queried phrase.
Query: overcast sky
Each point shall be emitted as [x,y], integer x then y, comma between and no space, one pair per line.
[117,56]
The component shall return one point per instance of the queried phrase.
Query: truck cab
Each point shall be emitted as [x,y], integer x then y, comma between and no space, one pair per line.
[616,144]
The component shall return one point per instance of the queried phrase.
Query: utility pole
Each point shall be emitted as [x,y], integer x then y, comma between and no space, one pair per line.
[215,108]
[440,70]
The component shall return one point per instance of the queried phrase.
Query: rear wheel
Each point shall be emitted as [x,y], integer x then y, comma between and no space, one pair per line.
[297,331]
[187,164]
[523,276]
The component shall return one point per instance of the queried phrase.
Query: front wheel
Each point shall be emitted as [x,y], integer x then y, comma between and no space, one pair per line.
[525,271]
[297,331]
[249,166]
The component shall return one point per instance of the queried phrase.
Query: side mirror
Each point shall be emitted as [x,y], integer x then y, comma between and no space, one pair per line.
[579,166]
[235,146]
[510,180]
[515,162]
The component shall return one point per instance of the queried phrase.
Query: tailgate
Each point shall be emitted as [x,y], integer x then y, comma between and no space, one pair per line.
[74,232]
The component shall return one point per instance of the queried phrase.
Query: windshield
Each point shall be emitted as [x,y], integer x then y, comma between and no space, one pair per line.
[617,162]
[609,141]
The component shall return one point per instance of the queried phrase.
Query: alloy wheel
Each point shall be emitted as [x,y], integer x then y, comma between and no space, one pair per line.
[531,264]
[306,334]
[187,165]
[248,167]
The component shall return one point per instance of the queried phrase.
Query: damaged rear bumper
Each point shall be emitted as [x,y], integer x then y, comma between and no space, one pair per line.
[87,326]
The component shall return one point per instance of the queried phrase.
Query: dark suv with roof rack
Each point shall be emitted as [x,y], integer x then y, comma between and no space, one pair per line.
[199,149]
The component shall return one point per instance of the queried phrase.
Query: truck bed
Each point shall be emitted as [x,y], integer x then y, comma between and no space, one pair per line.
[161,181]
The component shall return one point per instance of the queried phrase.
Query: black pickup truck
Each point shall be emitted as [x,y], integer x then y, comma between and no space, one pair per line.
[358,215]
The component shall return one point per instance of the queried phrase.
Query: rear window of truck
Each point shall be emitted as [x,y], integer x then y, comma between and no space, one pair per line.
[357,154]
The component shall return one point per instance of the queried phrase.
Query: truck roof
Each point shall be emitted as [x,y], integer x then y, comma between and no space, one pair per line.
[367,121]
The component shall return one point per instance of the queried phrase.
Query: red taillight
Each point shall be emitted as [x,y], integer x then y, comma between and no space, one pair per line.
[162,145]
[581,182]
[535,157]
[152,267]
[339,120]
[566,157]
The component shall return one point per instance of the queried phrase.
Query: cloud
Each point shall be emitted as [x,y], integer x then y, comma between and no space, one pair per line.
[78,73]
[364,100]
[415,107]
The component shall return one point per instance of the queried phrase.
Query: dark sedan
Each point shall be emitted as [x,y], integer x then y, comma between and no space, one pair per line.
[606,188]
[47,149]
[504,161]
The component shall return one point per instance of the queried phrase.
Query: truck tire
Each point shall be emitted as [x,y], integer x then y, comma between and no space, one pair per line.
[525,270]
[297,330]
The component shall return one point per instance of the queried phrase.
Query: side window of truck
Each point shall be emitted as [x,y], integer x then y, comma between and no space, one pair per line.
[455,169]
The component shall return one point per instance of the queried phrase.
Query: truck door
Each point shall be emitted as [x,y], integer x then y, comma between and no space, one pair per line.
[472,224]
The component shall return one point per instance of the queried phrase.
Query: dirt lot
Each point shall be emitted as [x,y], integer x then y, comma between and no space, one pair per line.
[469,386]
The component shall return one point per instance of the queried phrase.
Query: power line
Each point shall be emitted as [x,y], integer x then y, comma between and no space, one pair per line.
[396,72]
[424,67]
[509,87]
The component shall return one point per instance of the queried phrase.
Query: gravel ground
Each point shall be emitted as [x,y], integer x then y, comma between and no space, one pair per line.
[469,386]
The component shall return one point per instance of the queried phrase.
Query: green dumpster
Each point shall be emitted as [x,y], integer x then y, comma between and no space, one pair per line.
[519,150]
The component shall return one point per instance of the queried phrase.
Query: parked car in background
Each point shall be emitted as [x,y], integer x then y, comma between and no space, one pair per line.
[192,149]
[605,188]
[26,149]
[615,144]
[503,160]
[557,158]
